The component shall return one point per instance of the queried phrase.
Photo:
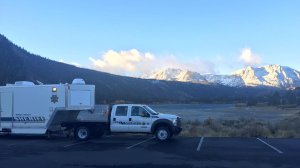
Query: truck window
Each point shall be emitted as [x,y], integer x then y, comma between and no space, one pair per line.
[137,111]
[121,111]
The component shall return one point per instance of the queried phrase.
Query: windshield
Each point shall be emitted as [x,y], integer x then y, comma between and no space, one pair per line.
[150,110]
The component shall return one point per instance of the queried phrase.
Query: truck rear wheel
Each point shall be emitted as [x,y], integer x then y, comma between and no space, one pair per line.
[82,133]
[162,134]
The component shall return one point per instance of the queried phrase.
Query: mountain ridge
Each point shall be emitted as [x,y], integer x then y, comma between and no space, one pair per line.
[273,75]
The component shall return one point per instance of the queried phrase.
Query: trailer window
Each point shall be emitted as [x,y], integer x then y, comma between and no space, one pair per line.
[121,111]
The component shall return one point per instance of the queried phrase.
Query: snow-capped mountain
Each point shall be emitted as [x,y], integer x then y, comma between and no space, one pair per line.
[269,75]
[228,80]
[172,74]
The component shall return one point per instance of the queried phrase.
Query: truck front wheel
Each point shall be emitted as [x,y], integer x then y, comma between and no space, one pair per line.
[162,134]
[82,133]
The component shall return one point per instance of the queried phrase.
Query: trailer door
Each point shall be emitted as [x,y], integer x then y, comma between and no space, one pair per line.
[79,98]
[6,110]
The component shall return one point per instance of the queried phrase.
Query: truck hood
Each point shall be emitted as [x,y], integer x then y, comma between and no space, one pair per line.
[167,116]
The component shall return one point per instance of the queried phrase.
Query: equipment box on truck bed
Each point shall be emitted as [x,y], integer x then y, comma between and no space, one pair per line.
[26,108]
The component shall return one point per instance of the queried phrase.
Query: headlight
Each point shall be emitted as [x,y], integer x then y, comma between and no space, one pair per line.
[174,121]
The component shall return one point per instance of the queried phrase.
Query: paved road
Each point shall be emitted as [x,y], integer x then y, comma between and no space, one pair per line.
[143,151]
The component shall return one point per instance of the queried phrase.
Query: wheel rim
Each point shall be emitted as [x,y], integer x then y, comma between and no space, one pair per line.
[162,134]
[82,133]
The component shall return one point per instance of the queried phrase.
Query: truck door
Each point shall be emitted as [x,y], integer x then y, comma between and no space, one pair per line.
[119,119]
[140,120]
[6,112]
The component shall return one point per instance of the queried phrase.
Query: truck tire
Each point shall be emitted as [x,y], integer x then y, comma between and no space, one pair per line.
[82,133]
[162,134]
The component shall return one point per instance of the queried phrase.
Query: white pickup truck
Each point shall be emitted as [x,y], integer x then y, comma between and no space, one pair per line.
[124,118]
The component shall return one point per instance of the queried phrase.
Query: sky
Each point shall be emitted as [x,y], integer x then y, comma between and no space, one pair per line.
[134,37]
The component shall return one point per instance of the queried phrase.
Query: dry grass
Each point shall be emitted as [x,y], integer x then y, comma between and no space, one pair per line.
[286,128]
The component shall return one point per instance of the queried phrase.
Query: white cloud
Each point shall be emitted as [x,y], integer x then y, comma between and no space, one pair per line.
[136,63]
[123,62]
[196,65]
[247,57]
[76,64]
[71,63]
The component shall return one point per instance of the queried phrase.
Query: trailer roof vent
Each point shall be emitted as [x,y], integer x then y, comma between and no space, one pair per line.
[78,81]
[24,83]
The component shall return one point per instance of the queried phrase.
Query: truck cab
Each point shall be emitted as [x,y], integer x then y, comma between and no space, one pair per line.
[139,118]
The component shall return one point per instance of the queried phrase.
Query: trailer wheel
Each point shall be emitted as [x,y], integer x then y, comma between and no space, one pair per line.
[162,134]
[82,133]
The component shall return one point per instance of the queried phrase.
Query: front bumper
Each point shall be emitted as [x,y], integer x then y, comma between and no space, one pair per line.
[176,130]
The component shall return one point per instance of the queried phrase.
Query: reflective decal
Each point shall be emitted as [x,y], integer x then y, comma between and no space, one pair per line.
[130,123]
[38,119]
[30,119]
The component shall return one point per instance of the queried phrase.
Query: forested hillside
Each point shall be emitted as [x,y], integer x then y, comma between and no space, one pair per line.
[18,64]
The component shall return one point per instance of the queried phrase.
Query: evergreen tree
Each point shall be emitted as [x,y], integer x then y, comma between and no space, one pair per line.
[275,99]
[290,97]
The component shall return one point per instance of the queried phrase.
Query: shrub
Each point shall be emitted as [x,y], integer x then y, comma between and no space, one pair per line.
[287,128]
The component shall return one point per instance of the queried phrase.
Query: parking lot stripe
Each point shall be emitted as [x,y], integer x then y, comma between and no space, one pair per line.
[73,144]
[277,150]
[200,144]
[129,147]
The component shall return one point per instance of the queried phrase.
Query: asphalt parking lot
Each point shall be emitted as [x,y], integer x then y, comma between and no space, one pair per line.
[144,151]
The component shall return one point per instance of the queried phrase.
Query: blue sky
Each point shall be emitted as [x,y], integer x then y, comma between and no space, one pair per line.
[137,36]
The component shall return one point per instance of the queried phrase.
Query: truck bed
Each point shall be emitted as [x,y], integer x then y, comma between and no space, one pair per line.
[100,114]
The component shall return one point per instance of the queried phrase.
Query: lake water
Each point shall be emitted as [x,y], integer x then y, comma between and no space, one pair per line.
[223,111]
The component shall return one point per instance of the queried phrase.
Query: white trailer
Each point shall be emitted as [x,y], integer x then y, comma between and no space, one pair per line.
[26,108]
